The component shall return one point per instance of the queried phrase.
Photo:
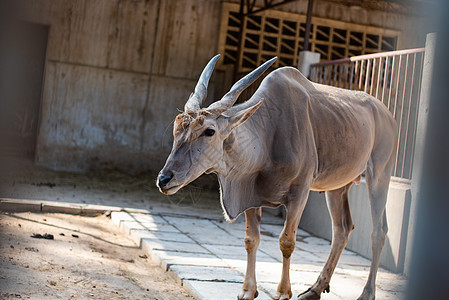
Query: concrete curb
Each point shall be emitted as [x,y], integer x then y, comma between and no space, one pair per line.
[41,206]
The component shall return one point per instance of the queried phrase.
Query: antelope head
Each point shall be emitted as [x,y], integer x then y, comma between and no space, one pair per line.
[199,133]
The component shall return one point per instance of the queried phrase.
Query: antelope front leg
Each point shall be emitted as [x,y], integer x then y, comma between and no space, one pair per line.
[252,239]
[287,241]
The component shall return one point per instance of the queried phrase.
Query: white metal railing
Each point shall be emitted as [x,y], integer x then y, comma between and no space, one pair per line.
[392,77]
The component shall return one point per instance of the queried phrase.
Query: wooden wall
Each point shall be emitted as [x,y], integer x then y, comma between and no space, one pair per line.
[118,70]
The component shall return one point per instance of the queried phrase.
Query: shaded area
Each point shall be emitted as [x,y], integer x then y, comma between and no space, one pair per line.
[22,179]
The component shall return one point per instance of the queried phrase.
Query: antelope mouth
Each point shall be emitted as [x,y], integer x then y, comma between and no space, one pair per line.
[170,190]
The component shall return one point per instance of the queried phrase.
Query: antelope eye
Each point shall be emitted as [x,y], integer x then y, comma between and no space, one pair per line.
[209,132]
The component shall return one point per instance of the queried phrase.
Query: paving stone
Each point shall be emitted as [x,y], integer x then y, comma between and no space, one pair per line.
[218,290]
[346,286]
[146,218]
[380,294]
[307,266]
[275,230]
[205,231]
[315,245]
[198,259]
[202,273]
[225,251]
[189,225]
[235,229]
[173,246]
[119,216]
[138,234]
[269,272]
[351,260]
[235,252]
[130,225]
[304,278]
[394,283]
[272,248]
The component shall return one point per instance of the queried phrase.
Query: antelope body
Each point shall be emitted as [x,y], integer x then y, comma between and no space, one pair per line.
[290,137]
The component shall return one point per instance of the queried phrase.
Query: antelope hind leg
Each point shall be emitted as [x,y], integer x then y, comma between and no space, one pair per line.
[337,203]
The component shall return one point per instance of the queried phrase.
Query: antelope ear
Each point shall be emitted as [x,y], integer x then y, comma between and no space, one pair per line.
[237,118]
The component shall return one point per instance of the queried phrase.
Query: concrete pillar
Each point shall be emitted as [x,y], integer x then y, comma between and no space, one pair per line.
[429,277]
[307,58]
[423,112]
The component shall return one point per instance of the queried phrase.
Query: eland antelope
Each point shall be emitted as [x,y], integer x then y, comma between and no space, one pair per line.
[292,136]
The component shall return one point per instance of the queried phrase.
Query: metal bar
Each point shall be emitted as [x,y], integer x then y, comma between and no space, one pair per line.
[379,78]
[374,55]
[387,60]
[368,65]
[240,41]
[361,74]
[325,74]
[384,76]
[252,12]
[335,74]
[391,81]
[402,112]
[351,75]
[384,54]
[415,128]
[308,25]
[373,71]
[328,75]
[317,74]
[397,85]
[408,113]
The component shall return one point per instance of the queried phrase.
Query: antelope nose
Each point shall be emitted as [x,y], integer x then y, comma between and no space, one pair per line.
[164,179]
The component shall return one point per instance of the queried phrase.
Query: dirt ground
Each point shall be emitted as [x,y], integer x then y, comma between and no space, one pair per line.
[89,258]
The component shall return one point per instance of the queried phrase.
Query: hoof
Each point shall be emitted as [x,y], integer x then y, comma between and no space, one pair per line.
[244,296]
[367,295]
[309,295]
[283,296]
